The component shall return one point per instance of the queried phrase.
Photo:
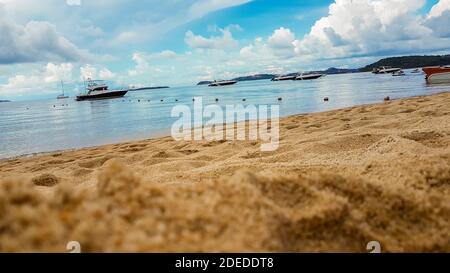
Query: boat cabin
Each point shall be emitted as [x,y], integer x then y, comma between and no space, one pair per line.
[96,86]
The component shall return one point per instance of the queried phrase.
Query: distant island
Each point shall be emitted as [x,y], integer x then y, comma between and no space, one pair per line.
[5,101]
[148,88]
[407,62]
[404,62]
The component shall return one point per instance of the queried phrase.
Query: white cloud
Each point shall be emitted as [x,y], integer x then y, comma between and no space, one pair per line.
[35,42]
[226,41]
[439,19]
[369,27]
[438,9]
[141,65]
[142,62]
[282,42]
[106,74]
[126,37]
[282,38]
[55,72]
[89,71]
[255,51]
[38,80]
[165,54]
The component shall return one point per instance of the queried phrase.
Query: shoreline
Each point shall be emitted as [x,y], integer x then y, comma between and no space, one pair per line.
[37,154]
[165,135]
[340,179]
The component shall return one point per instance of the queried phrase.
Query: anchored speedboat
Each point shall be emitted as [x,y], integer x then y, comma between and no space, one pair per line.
[305,77]
[222,83]
[284,78]
[399,73]
[385,70]
[97,90]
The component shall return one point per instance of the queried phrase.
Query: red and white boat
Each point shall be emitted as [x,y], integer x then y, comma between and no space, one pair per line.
[437,74]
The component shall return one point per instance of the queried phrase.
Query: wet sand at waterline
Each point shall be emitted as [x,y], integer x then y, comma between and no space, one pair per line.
[339,180]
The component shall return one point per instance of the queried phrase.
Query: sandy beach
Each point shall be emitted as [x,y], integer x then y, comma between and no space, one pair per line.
[339,180]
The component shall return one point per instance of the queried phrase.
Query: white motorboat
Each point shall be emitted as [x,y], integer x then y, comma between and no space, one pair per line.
[385,70]
[222,83]
[98,90]
[399,73]
[305,77]
[284,78]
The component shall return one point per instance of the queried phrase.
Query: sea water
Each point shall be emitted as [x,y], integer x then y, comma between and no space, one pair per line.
[51,125]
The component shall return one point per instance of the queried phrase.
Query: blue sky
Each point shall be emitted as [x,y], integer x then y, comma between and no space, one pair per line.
[180,42]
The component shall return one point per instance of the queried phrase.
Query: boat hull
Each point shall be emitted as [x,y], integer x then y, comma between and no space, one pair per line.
[439,78]
[308,77]
[287,78]
[222,84]
[437,74]
[108,95]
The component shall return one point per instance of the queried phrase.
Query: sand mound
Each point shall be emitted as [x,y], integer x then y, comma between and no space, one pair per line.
[320,212]
[46,180]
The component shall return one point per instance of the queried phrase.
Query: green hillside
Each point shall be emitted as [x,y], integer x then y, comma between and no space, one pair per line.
[410,62]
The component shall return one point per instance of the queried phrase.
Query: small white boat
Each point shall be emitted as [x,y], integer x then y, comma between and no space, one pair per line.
[284,78]
[416,71]
[222,83]
[62,96]
[305,77]
[385,70]
[399,73]
[437,74]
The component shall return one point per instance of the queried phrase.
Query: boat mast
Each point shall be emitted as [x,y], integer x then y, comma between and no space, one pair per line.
[62,87]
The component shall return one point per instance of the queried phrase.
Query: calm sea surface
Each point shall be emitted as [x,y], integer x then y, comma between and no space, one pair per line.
[38,126]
